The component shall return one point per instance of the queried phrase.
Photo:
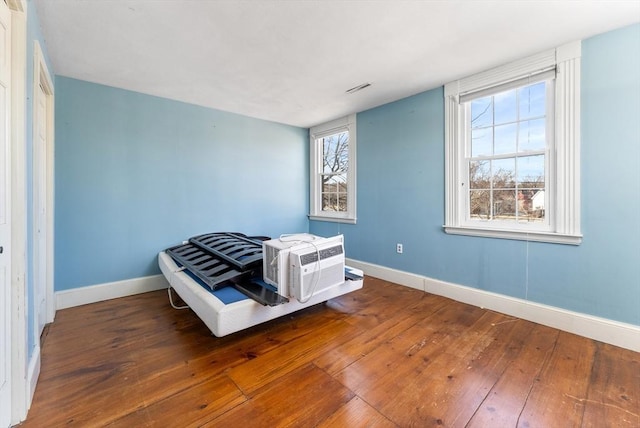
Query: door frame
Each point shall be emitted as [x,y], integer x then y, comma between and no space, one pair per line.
[41,77]
[5,200]
[20,394]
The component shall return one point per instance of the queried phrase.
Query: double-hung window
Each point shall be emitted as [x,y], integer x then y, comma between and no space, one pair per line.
[333,171]
[513,150]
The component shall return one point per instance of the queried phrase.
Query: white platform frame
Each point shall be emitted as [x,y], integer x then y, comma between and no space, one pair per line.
[223,319]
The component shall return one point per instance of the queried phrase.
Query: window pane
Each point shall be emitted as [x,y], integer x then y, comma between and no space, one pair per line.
[532,135]
[482,112]
[504,173]
[479,175]
[505,141]
[341,183]
[537,210]
[531,205]
[479,204]
[532,100]
[504,205]
[334,192]
[505,107]
[342,202]
[335,153]
[531,171]
[329,202]
[328,183]
[481,142]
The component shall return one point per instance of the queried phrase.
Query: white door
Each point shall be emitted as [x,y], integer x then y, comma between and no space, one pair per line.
[5,221]
[40,206]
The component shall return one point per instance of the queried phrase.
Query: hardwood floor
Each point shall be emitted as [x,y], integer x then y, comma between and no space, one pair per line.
[383,356]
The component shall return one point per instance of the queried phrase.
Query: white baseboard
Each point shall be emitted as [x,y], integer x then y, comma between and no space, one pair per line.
[110,290]
[33,373]
[602,329]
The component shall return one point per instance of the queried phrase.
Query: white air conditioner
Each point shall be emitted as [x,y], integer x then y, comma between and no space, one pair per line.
[288,264]
[317,267]
[275,262]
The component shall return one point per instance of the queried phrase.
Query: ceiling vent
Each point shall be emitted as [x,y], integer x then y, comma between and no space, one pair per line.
[358,88]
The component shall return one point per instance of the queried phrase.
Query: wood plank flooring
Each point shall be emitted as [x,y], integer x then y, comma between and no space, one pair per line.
[383,356]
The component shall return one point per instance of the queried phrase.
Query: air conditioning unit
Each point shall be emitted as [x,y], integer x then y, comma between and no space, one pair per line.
[275,262]
[316,268]
[289,264]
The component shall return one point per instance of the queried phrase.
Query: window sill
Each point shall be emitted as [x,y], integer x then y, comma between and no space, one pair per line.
[533,236]
[332,219]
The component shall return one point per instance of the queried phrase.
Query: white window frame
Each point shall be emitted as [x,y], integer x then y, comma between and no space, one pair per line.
[562,157]
[348,124]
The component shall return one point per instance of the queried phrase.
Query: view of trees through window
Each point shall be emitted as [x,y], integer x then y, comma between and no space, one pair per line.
[507,162]
[335,164]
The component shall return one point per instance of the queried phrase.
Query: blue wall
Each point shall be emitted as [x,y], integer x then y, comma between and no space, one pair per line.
[136,174]
[401,198]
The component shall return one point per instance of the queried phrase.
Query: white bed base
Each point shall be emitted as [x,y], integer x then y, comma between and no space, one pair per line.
[223,319]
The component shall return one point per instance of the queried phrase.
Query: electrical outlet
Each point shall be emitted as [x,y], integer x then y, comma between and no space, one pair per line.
[399,248]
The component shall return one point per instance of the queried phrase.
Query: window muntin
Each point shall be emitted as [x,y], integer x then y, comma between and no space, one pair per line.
[333,175]
[507,141]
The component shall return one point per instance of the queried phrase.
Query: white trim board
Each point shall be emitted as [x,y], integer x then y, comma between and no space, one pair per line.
[110,290]
[613,332]
[33,373]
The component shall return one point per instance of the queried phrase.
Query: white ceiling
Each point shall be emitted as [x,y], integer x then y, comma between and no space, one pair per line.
[292,61]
